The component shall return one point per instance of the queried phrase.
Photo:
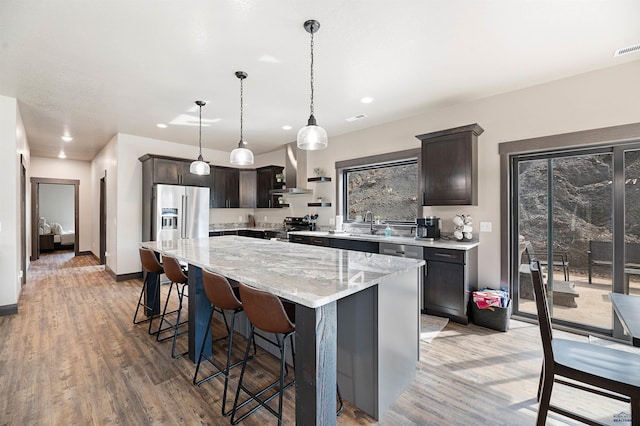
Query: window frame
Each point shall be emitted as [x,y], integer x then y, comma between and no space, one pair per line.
[372,162]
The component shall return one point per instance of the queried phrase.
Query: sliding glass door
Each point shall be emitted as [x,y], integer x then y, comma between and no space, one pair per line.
[563,208]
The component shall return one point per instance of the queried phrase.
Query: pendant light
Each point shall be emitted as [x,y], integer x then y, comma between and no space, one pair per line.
[241,156]
[199,167]
[312,137]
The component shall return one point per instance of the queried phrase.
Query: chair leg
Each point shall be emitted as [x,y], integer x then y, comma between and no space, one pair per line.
[545,399]
[176,331]
[151,317]
[164,312]
[235,421]
[540,382]
[204,339]
[635,411]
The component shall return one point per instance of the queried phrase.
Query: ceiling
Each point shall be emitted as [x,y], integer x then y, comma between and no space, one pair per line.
[94,68]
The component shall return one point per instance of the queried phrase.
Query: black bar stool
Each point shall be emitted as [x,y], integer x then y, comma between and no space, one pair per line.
[266,312]
[174,272]
[222,298]
[151,304]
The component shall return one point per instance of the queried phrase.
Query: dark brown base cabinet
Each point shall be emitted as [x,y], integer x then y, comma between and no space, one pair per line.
[450,276]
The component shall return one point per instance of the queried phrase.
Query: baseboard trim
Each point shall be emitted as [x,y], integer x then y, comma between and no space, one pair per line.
[8,310]
[86,253]
[125,277]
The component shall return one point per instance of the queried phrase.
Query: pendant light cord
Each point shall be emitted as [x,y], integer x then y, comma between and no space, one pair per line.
[241,110]
[200,132]
[311,106]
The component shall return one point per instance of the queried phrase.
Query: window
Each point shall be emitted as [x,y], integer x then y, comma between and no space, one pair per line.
[389,189]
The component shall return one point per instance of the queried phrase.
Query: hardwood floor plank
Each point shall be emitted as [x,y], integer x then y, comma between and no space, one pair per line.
[73,356]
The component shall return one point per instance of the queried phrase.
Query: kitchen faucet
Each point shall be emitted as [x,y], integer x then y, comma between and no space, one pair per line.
[370,214]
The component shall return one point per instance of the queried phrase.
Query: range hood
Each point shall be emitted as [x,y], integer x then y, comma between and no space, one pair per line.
[295,171]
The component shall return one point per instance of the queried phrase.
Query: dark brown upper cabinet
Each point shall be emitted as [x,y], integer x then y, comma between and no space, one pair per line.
[225,187]
[171,171]
[450,166]
[266,181]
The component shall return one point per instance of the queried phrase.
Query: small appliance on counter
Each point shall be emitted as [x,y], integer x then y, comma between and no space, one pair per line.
[428,228]
[292,223]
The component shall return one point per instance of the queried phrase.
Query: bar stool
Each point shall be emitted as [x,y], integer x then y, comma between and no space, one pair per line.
[176,275]
[266,312]
[222,297]
[150,265]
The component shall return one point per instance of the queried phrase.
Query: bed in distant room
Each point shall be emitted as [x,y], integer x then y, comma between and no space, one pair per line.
[62,238]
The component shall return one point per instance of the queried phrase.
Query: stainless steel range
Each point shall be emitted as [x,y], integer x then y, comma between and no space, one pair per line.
[293,223]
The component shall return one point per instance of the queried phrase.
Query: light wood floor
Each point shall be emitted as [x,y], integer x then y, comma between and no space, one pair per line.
[72,356]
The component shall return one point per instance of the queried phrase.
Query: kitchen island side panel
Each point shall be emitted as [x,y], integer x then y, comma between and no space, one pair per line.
[378,331]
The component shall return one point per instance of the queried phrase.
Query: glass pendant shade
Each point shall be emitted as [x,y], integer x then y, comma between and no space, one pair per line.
[199,167]
[312,137]
[241,156]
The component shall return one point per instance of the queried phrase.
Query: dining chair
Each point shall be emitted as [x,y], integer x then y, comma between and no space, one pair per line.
[592,368]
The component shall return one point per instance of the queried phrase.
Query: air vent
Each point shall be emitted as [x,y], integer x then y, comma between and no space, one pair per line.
[626,50]
[356,117]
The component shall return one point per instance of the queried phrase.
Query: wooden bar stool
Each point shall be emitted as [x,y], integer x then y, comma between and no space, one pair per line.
[266,312]
[151,303]
[174,272]
[222,298]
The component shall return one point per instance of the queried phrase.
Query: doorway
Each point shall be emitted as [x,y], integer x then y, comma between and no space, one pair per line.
[578,213]
[103,219]
[23,221]
[43,236]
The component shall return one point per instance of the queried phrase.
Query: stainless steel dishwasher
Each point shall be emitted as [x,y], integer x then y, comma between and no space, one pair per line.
[413,252]
[405,250]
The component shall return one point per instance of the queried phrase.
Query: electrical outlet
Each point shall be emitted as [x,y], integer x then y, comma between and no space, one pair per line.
[106,254]
[20,274]
[332,221]
[485,226]
[240,218]
[265,218]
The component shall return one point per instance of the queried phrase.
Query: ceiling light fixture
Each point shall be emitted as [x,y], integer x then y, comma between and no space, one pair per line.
[199,167]
[286,127]
[67,138]
[241,156]
[161,125]
[62,155]
[312,137]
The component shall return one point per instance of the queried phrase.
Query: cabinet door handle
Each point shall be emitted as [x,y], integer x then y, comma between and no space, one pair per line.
[448,256]
[423,198]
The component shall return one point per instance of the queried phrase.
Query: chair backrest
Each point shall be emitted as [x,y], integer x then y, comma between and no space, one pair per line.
[149,260]
[219,291]
[173,270]
[265,310]
[544,319]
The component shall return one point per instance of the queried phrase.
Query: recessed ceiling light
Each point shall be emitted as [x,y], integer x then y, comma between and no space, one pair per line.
[62,155]
[269,59]
[67,138]
[366,100]
[356,117]
[161,125]
[286,127]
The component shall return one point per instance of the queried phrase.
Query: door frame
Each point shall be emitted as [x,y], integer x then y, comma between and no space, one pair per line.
[35,212]
[103,219]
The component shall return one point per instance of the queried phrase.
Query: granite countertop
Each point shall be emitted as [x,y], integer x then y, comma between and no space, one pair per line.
[309,275]
[246,228]
[441,243]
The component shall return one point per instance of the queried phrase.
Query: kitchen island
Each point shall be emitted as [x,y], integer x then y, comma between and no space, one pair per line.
[357,316]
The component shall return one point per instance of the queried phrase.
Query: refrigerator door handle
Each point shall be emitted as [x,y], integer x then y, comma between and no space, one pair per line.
[183,231]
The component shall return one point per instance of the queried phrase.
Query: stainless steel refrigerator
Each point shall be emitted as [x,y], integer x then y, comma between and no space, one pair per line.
[179,212]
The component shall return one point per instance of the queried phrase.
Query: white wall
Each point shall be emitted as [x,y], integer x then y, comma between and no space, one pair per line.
[603,98]
[56,168]
[592,100]
[105,165]
[13,143]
